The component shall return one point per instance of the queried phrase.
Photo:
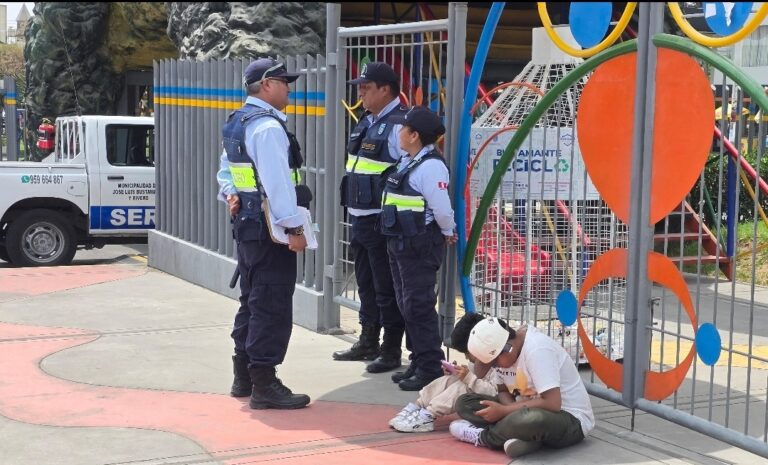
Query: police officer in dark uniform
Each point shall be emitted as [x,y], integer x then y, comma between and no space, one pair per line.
[417,219]
[372,148]
[259,158]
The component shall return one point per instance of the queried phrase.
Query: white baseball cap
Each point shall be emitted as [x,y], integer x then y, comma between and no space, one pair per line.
[487,339]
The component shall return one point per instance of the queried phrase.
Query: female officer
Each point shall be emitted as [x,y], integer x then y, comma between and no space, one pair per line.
[417,219]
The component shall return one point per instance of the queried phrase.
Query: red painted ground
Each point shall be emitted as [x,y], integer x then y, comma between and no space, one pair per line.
[326,432]
[24,282]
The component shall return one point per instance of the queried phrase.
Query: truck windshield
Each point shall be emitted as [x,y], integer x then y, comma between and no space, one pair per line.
[130,145]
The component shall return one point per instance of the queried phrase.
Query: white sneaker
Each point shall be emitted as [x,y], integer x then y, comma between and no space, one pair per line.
[517,447]
[466,431]
[419,421]
[407,410]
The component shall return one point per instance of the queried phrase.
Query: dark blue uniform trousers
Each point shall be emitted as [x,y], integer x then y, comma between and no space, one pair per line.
[414,262]
[378,305]
[264,321]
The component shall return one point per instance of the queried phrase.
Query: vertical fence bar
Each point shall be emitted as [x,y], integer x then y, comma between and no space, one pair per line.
[157,70]
[311,169]
[220,215]
[334,126]
[637,318]
[457,34]
[201,160]
[224,72]
[210,161]
[185,142]
[195,154]
[321,157]
[172,170]
[168,118]
[10,118]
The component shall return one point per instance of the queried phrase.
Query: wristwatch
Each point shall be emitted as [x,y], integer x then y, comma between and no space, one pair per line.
[297,231]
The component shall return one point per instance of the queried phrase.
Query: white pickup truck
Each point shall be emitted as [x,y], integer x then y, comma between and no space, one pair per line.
[96,188]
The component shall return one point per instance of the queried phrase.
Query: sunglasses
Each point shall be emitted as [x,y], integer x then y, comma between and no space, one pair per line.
[284,81]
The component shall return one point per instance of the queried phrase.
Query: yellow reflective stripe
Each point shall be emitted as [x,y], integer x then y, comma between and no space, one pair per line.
[364,165]
[296,177]
[243,177]
[405,202]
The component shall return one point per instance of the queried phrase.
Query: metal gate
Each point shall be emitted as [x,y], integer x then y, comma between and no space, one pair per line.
[429,57]
[677,298]
[193,100]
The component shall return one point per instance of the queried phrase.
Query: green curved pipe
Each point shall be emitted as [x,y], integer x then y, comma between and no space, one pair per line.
[520,135]
[681,44]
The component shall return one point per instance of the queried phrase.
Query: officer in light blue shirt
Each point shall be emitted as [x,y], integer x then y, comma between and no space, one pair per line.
[256,165]
[417,219]
[372,148]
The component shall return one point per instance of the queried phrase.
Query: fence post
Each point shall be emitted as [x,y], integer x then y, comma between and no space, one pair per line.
[457,32]
[638,315]
[10,119]
[334,126]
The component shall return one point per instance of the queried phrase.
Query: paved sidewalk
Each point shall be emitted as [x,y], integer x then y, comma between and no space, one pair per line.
[118,363]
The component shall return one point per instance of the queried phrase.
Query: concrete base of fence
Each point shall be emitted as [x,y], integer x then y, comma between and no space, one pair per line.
[192,263]
[213,271]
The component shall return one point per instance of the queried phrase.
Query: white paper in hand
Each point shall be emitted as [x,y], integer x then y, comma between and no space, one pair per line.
[279,235]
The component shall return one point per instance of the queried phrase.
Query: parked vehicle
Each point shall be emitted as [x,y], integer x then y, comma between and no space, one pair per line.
[96,188]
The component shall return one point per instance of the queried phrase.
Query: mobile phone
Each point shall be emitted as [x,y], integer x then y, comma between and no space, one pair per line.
[449,367]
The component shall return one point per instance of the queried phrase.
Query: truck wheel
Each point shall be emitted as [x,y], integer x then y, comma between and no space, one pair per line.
[40,238]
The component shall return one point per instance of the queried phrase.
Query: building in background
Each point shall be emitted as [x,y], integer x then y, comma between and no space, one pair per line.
[3,24]
[16,34]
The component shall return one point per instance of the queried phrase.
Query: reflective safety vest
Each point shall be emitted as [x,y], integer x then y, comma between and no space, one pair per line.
[244,175]
[367,158]
[403,207]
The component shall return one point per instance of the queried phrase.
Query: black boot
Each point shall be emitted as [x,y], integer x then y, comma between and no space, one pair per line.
[401,375]
[391,352]
[366,348]
[241,386]
[270,392]
[417,381]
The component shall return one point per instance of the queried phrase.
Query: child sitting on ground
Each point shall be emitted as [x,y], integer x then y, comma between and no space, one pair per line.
[438,397]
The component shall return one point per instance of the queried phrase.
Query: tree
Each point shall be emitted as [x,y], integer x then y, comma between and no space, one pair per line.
[12,64]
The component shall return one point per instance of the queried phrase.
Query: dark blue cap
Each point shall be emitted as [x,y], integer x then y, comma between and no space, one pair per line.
[376,71]
[423,120]
[264,68]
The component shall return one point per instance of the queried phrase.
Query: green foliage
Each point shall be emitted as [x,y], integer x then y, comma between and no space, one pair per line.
[716,181]
[12,64]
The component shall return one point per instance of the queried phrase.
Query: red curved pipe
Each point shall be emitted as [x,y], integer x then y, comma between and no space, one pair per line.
[734,153]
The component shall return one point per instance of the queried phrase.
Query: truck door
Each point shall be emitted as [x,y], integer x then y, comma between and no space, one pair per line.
[127,179]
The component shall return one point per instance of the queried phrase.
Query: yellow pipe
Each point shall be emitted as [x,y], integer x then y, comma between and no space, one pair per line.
[558,245]
[351,110]
[751,192]
[714,42]
[435,69]
[760,210]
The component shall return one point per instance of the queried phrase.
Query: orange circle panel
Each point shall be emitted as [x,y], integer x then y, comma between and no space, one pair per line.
[682,130]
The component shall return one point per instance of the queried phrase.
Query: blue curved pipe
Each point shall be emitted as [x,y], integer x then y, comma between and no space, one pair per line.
[465,127]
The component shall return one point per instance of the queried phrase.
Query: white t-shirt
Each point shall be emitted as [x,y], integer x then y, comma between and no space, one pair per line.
[543,364]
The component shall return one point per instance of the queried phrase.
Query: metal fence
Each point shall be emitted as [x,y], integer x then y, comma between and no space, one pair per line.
[193,100]
[10,131]
[537,241]
[429,57]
